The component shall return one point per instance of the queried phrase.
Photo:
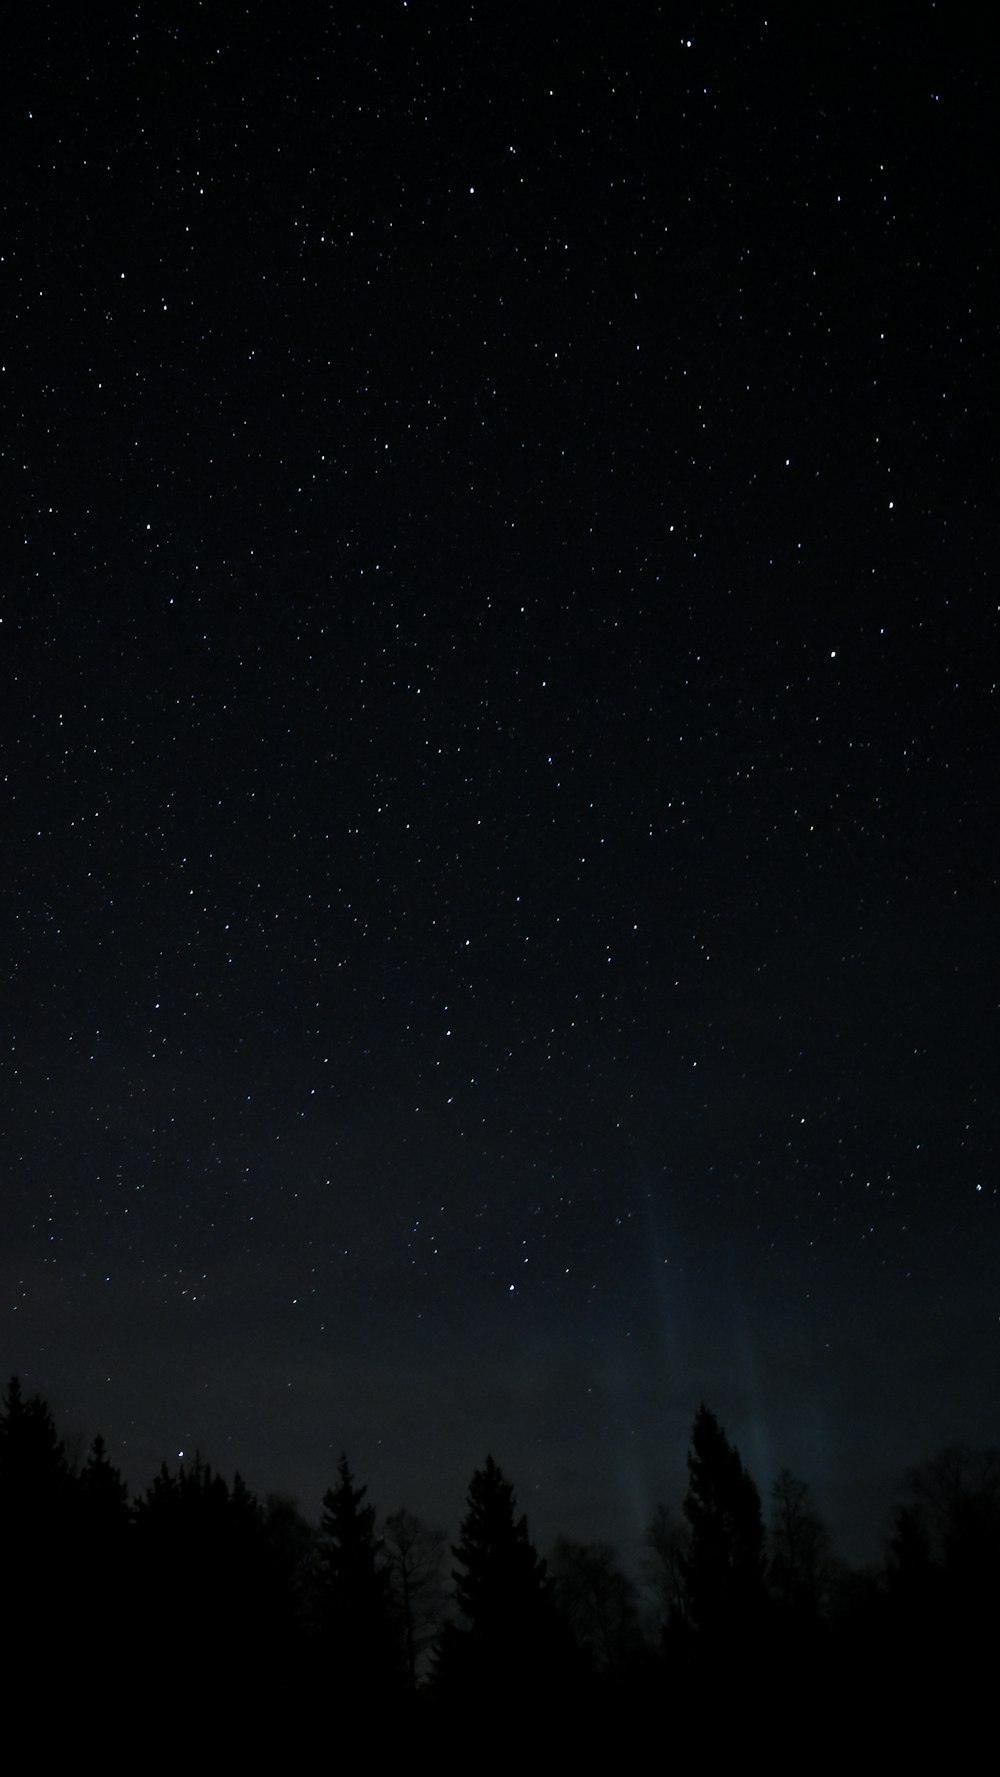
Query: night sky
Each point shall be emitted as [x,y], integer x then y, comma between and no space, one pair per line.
[498,745]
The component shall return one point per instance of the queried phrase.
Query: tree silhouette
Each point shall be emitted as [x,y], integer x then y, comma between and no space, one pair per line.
[724,1565]
[103,1537]
[956,1497]
[201,1577]
[353,1595]
[416,1556]
[102,1490]
[509,1650]
[501,1580]
[35,1502]
[289,1546]
[599,1602]
[800,1560]
[36,1545]
[944,1559]
[667,1544]
[34,1476]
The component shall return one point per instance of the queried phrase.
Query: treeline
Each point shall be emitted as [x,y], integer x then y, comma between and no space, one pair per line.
[208,1611]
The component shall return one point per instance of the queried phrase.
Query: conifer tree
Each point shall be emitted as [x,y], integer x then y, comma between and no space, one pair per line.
[34,1475]
[102,1527]
[103,1492]
[36,1523]
[509,1648]
[501,1580]
[724,1563]
[353,1588]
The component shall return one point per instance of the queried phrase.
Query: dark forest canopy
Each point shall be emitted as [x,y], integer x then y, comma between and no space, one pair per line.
[221,1589]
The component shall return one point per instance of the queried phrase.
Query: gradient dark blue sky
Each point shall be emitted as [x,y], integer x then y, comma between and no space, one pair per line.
[499,666]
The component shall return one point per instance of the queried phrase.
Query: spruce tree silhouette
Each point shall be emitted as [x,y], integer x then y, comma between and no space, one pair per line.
[353,1597]
[102,1534]
[103,1491]
[510,1652]
[34,1477]
[724,1562]
[36,1543]
[502,1582]
[201,1579]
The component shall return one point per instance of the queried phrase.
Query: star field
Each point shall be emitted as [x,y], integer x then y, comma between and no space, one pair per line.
[499,693]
